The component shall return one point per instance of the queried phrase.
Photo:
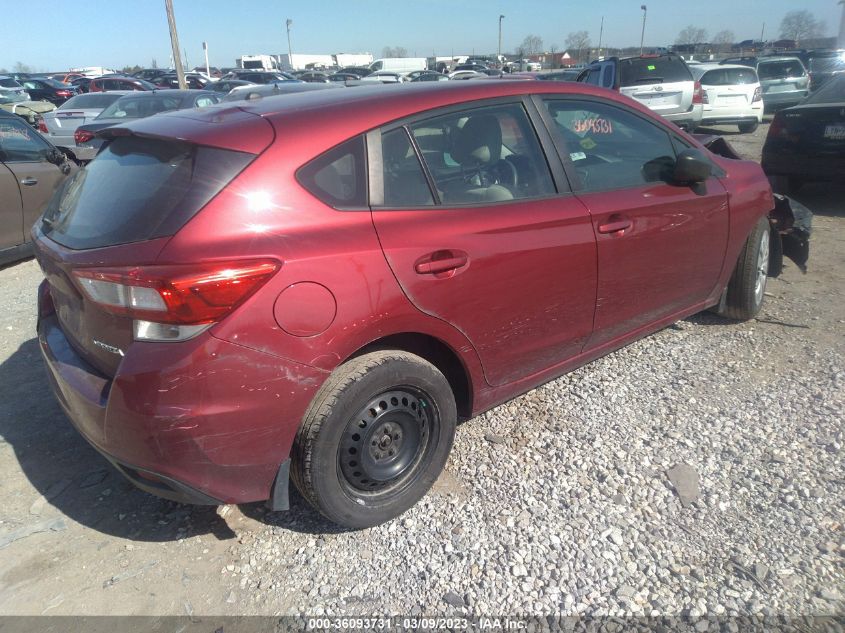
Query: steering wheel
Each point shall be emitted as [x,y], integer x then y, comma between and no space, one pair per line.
[506,173]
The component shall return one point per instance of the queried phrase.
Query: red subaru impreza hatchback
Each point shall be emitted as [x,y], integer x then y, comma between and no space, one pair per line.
[317,286]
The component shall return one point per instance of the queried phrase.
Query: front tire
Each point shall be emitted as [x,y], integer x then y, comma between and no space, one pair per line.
[747,287]
[375,438]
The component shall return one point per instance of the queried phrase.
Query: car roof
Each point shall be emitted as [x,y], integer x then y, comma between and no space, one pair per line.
[341,113]
[778,58]
[715,66]
[149,94]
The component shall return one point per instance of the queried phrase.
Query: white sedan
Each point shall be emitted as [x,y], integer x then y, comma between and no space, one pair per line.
[731,95]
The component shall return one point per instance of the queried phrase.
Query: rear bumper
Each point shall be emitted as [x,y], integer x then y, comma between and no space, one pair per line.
[689,119]
[204,421]
[813,167]
[783,99]
[717,116]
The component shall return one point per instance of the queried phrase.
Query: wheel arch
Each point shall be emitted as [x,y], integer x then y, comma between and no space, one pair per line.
[439,354]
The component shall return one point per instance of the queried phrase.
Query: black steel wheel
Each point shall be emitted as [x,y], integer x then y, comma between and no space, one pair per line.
[385,440]
[375,438]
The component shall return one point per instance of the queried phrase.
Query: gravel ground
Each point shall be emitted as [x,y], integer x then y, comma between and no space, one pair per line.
[697,471]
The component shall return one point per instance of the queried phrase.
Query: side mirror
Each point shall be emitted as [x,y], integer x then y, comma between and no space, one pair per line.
[55,156]
[692,166]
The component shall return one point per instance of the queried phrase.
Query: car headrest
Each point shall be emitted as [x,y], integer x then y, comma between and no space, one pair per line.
[478,142]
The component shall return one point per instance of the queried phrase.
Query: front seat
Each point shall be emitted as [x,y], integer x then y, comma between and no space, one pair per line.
[477,148]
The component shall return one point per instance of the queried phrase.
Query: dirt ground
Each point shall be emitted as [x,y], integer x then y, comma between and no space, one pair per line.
[76,538]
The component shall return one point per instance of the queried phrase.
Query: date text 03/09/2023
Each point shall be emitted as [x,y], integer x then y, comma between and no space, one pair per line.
[416,623]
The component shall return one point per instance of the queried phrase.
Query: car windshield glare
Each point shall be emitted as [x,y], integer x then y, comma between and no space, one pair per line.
[827,64]
[831,92]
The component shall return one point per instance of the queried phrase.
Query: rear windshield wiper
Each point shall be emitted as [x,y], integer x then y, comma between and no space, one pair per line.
[656,80]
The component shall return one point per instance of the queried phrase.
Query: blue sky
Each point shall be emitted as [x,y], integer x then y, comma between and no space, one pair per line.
[116,33]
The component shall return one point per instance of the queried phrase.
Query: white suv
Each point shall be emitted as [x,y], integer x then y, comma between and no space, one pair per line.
[662,83]
[732,95]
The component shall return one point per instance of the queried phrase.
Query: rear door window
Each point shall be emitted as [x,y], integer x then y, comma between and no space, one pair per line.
[653,70]
[138,189]
[405,184]
[488,154]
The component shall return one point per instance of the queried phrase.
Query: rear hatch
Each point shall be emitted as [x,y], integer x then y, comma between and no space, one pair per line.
[663,84]
[79,110]
[819,129]
[782,76]
[106,226]
[61,124]
[729,90]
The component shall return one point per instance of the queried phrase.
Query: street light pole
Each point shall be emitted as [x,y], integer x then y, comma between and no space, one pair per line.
[288,22]
[642,35]
[499,56]
[205,50]
[601,32]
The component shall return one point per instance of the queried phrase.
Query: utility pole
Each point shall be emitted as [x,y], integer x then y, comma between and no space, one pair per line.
[499,55]
[174,44]
[601,32]
[763,32]
[642,36]
[205,50]
[288,22]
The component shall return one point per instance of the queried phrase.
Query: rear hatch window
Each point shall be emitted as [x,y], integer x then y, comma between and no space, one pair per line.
[780,69]
[729,77]
[651,70]
[138,189]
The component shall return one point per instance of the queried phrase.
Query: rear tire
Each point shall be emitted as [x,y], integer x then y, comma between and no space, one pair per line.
[748,127]
[375,438]
[747,287]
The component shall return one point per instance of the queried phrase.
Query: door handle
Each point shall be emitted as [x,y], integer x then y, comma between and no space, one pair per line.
[615,224]
[440,262]
[29,182]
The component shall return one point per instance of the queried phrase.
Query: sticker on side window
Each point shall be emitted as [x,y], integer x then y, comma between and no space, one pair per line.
[593,125]
[577,156]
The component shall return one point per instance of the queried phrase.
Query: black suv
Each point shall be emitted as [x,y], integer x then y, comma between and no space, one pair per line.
[662,83]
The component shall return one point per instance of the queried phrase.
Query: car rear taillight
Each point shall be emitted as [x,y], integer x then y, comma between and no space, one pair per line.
[42,127]
[177,302]
[45,300]
[82,136]
[758,95]
[64,93]
[698,95]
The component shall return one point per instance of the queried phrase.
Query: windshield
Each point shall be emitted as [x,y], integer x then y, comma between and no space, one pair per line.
[831,92]
[648,70]
[7,82]
[139,107]
[7,96]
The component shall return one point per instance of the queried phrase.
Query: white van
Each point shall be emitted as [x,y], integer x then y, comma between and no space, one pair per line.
[401,65]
